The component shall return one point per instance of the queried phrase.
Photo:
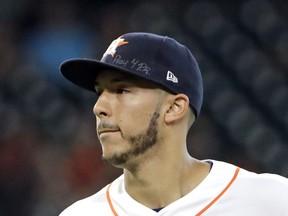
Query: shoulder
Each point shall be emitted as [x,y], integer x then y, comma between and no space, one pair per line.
[268,190]
[252,180]
[223,167]
[265,188]
[91,205]
[266,193]
[271,184]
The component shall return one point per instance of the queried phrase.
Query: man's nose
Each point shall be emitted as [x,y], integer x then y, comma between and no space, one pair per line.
[102,106]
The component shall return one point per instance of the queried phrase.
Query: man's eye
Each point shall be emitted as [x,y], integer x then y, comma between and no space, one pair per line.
[122,91]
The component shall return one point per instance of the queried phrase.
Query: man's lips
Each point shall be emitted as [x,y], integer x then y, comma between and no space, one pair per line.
[102,131]
[106,127]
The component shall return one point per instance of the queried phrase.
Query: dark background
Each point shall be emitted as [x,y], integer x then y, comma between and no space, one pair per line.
[49,153]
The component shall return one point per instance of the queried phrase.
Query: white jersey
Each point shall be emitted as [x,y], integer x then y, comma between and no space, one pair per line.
[227,190]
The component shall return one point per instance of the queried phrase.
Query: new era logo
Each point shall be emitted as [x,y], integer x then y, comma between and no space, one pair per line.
[171,77]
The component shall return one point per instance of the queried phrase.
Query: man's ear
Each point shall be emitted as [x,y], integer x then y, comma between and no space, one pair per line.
[179,106]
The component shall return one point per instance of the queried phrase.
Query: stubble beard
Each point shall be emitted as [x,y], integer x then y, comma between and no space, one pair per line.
[139,143]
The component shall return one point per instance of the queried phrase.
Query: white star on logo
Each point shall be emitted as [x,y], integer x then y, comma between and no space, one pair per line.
[113,46]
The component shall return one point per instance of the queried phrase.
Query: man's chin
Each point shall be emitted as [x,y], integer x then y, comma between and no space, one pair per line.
[117,160]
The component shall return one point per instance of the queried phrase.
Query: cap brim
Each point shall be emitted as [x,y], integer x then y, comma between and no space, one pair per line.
[83,72]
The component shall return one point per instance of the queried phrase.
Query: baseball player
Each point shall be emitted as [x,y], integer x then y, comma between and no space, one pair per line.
[150,92]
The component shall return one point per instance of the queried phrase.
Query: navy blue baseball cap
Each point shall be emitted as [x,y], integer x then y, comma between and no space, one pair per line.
[159,59]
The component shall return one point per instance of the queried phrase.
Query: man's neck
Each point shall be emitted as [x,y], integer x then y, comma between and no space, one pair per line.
[156,184]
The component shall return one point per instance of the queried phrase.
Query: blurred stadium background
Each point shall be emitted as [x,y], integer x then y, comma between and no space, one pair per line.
[49,154]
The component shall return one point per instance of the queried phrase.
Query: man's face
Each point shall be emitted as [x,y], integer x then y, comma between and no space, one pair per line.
[127,113]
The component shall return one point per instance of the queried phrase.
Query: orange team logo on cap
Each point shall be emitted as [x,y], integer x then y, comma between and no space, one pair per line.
[114,45]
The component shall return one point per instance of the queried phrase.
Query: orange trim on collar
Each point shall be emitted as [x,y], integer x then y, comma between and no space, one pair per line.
[199,213]
[110,201]
[220,194]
